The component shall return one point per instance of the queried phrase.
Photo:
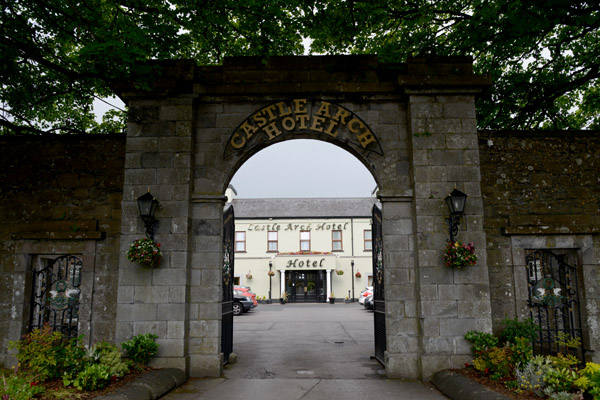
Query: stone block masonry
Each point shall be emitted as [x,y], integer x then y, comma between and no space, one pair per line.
[419,140]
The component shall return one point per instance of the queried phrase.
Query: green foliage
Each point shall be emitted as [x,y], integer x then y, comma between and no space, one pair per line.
[520,351]
[71,356]
[17,387]
[559,379]
[141,348]
[39,353]
[58,56]
[530,376]
[93,376]
[481,341]
[110,356]
[513,329]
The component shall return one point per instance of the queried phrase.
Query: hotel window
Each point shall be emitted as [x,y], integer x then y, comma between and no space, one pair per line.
[240,241]
[272,241]
[368,240]
[304,240]
[336,240]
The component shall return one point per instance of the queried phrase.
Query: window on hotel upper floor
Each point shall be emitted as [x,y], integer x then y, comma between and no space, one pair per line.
[240,241]
[368,240]
[336,240]
[304,240]
[272,240]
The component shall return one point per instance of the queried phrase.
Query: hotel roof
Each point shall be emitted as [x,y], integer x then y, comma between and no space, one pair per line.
[304,208]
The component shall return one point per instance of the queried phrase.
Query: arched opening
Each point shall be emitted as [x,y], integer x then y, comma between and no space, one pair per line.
[303,245]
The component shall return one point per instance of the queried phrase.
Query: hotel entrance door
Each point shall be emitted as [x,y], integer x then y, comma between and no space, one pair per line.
[306,286]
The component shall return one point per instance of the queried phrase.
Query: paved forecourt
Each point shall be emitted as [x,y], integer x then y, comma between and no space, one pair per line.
[304,351]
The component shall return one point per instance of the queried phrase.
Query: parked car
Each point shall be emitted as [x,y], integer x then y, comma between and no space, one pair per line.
[245,290]
[364,294]
[241,303]
[369,303]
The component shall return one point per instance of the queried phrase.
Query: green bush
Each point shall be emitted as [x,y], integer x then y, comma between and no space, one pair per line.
[110,356]
[141,348]
[71,357]
[513,329]
[39,353]
[481,341]
[17,387]
[93,376]
[520,351]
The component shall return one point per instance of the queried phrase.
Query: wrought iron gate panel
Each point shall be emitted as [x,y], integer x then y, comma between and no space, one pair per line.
[227,301]
[55,296]
[554,302]
[378,287]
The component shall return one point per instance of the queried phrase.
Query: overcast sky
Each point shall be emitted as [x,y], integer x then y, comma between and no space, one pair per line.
[295,168]
[303,168]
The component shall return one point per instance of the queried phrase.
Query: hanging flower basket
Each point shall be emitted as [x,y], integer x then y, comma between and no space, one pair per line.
[339,272]
[358,275]
[248,275]
[145,252]
[459,255]
[271,273]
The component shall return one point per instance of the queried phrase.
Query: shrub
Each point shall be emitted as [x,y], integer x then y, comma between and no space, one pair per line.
[71,356]
[16,387]
[559,379]
[531,375]
[481,341]
[513,329]
[141,348]
[93,376]
[110,356]
[39,353]
[520,351]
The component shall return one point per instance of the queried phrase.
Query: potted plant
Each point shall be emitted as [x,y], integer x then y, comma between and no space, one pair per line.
[358,274]
[248,275]
[145,252]
[284,298]
[459,255]
[332,298]
[339,272]
[271,273]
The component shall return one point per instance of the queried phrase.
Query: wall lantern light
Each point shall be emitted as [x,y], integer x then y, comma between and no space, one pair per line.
[456,205]
[148,205]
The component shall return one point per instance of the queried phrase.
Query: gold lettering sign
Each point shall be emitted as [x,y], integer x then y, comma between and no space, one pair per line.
[303,116]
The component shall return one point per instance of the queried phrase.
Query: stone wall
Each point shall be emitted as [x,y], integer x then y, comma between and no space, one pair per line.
[541,190]
[60,196]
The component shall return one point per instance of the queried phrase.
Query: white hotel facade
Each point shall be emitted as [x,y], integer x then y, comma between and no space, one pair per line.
[315,248]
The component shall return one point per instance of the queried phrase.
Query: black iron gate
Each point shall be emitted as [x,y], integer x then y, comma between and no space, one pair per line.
[554,303]
[55,296]
[378,286]
[227,302]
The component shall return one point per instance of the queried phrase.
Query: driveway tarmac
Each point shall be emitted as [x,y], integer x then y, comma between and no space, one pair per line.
[304,351]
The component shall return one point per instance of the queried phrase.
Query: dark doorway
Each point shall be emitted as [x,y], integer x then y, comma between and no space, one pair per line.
[306,286]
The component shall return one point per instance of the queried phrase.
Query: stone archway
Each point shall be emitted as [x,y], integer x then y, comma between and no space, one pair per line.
[412,126]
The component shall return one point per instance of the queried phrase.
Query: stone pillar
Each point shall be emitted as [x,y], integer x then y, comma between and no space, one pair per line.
[443,131]
[402,324]
[159,153]
[206,274]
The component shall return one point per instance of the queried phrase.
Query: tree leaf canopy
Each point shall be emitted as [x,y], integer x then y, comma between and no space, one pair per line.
[59,55]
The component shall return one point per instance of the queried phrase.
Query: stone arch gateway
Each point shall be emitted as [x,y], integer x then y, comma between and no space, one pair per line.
[412,125]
